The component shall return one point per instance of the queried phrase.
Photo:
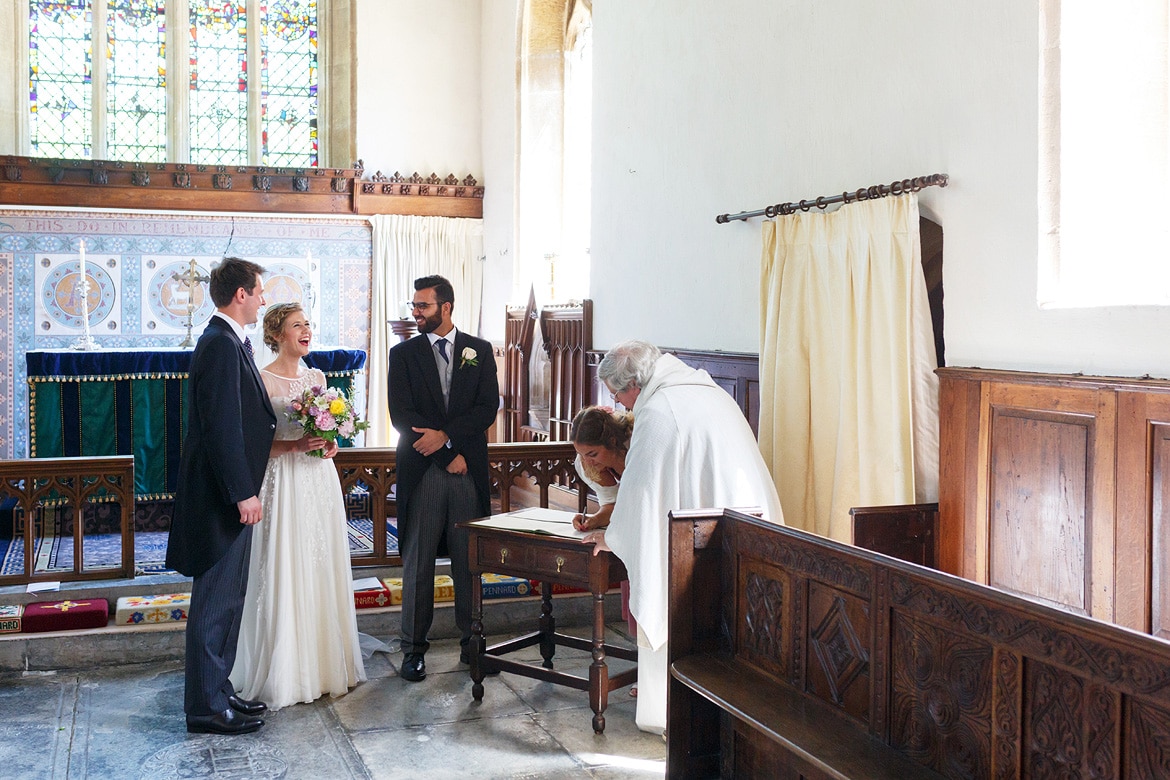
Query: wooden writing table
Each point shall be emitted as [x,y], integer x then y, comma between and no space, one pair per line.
[551,560]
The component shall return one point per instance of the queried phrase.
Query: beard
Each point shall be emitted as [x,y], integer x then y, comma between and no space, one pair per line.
[428,324]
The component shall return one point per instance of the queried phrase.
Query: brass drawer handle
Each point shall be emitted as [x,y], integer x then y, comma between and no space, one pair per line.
[560,563]
[503,555]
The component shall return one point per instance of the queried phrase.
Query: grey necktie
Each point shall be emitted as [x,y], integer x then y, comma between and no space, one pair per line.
[444,366]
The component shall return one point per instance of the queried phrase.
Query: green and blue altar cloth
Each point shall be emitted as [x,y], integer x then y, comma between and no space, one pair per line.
[131,402]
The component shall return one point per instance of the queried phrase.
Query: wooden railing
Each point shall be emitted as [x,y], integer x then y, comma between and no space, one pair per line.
[45,494]
[48,501]
[522,474]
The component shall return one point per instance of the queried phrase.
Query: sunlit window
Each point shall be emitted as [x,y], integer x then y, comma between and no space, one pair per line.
[1104,152]
[200,81]
[573,264]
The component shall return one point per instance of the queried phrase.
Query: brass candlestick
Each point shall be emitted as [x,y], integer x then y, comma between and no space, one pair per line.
[190,279]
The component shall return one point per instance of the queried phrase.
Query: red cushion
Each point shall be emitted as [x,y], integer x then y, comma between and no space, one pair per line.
[372,599]
[66,615]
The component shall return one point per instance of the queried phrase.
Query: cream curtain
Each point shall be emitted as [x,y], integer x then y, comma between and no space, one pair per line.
[405,248]
[848,394]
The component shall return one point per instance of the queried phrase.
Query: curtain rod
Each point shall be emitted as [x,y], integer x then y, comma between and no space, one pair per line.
[865,193]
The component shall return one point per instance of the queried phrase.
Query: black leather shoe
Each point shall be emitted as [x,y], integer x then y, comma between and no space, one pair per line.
[227,722]
[247,706]
[414,668]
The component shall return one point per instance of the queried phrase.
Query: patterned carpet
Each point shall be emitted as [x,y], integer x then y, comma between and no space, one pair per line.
[55,553]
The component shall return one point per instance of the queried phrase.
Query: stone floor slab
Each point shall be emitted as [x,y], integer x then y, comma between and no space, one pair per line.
[127,722]
[490,748]
[443,697]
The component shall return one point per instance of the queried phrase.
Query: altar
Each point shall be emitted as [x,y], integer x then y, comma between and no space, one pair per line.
[131,402]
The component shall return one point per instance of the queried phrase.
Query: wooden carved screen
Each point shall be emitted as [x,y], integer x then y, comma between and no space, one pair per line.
[567,332]
[519,324]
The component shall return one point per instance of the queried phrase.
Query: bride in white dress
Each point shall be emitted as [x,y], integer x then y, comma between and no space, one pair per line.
[299,638]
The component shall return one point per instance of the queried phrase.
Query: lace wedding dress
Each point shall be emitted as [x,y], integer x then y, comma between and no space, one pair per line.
[298,639]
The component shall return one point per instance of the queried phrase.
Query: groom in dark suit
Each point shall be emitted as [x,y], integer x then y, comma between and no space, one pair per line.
[443,396]
[230,426]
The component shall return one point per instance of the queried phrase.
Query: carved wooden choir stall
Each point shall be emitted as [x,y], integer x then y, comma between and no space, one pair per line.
[794,656]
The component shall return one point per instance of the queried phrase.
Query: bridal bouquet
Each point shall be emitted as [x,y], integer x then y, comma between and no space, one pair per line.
[325,412]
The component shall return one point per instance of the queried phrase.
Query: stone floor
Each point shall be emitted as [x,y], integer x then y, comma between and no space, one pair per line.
[127,722]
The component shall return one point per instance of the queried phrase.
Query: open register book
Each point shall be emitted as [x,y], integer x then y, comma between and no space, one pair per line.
[536,520]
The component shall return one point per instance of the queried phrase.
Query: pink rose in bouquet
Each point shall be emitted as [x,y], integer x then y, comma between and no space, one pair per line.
[325,412]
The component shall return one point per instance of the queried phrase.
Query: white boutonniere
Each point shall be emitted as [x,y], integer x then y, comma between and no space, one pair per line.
[468,357]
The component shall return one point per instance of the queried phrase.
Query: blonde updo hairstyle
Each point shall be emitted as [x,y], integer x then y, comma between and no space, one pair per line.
[595,426]
[274,320]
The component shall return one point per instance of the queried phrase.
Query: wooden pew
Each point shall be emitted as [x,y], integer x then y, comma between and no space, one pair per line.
[796,656]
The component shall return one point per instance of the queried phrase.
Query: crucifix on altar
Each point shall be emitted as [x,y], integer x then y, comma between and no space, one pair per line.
[190,279]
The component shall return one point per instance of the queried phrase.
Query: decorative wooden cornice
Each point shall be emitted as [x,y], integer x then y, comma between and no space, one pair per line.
[39,181]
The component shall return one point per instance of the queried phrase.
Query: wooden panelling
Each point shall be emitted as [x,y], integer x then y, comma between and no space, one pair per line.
[1143,500]
[1040,496]
[908,532]
[736,372]
[1160,529]
[959,487]
[1053,486]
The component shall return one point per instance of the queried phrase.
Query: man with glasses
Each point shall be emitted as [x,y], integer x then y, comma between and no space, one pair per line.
[443,396]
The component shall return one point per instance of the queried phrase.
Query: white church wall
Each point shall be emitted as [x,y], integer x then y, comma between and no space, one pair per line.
[418,87]
[498,97]
[703,108]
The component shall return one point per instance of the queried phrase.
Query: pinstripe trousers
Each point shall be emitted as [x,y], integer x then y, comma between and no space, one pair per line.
[439,502]
[213,626]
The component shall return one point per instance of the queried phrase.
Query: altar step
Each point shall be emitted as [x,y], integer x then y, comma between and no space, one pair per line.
[115,645]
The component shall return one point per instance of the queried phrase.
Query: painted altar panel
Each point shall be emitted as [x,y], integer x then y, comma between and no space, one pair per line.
[132,262]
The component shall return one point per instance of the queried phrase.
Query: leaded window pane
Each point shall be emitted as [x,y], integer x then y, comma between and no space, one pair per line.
[136,99]
[60,78]
[219,83]
[289,84]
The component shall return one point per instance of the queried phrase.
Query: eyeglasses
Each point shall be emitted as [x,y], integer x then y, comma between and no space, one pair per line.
[421,305]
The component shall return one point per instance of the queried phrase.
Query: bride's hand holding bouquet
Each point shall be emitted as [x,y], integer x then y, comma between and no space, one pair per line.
[325,413]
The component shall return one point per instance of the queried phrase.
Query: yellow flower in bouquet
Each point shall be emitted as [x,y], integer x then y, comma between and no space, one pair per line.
[325,412]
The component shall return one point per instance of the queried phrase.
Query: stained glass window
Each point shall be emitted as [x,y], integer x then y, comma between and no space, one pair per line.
[289,79]
[136,98]
[131,97]
[219,83]
[60,74]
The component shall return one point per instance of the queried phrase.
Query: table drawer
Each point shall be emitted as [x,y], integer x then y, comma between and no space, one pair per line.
[560,564]
[502,554]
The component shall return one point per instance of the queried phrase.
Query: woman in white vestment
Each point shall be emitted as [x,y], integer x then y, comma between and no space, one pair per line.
[299,638]
[691,448]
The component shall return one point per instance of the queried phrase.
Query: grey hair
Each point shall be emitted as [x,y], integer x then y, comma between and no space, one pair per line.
[629,364]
